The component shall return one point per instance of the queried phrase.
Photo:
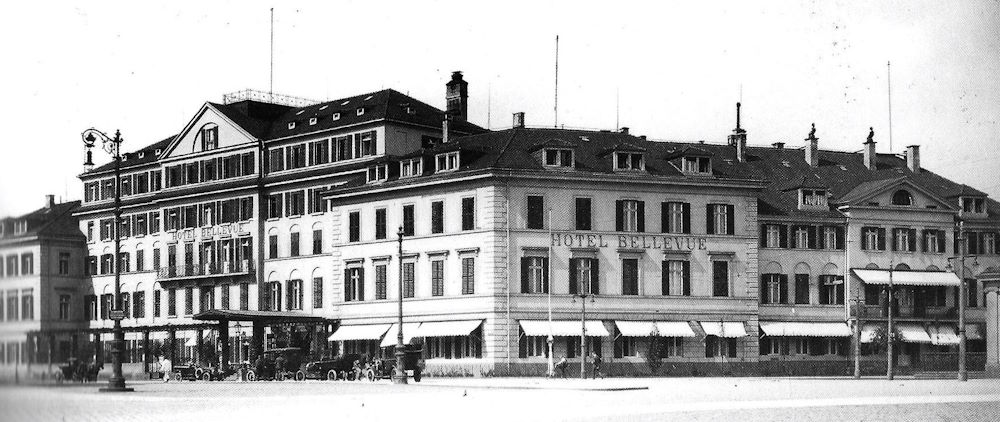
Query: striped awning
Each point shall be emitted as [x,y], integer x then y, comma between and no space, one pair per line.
[943,335]
[724,329]
[908,278]
[392,336]
[447,328]
[563,328]
[359,332]
[913,333]
[657,328]
[805,329]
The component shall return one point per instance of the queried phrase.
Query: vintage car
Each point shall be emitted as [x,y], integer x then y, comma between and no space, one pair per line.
[267,366]
[188,372]
[338,368]
[385,367]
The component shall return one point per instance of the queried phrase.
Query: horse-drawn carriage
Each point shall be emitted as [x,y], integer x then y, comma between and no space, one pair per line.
[78,371]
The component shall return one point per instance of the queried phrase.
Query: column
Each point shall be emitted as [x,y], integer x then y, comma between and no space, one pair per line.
[199,345]
[992,289]
[223,339]
[171,346]
[146,352]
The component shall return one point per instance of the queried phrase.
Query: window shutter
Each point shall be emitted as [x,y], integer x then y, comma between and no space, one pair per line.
[524,274]
[924,247]
[763,235]
[730,219]
[813,244]
[892,239]
[278,295]
[783,288]
[819,236]
[764,298]
[619,218]
[664,217]
[687,218]
[522,343]
[665,278]
[618,343]
[687,278]
[864,242]
[913,239]
[782,236]
[709,227]
[361,284]
[731,342]
[844,344]
[641,211]
[573,265]
[288,294]
[595,276]
[839,234]
[545,275]
[347,285]
[881,239]
[794,242]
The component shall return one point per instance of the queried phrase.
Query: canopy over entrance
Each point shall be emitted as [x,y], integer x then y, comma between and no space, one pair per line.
[268,317]
[908,278]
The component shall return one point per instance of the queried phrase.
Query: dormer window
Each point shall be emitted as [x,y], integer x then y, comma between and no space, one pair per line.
[336,116]
[558,157]
[812,198]
[411,167]
[361,111]
[697,165]
[902,197]
[20,226]
[209,137]
[446,162]
[378,173]
[291,125]
[973,205]
[629,161]
[312,121]
[142,154]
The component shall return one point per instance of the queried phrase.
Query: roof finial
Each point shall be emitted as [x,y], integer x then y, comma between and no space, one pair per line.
[812,132]
[871,134]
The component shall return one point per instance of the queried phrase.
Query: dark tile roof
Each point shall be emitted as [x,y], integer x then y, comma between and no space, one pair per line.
[54,221]
[132,159]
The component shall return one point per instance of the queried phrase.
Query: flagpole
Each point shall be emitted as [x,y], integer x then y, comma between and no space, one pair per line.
[548,276]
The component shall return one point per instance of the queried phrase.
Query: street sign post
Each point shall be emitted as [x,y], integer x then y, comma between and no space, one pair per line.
[117,315]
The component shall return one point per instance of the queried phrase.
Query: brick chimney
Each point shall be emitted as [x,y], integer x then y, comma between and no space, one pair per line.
[457,97]
[812,148]
[739,138]
[913,158]
[444,130]
[623,130]
[519,119]
[870,150]
[50,201]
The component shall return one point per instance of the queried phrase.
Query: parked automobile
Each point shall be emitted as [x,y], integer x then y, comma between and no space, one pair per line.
[338,368]
[385,367]
[276,364]
[188,372]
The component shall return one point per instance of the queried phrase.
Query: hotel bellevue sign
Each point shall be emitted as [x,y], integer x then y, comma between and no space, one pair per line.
[664,242]
[229,229]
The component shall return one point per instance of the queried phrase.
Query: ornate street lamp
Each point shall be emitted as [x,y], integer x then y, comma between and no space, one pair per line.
[963,374]
[400,377]
[583,294]
[113,147]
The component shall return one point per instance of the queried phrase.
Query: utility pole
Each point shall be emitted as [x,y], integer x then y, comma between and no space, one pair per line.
[963,375]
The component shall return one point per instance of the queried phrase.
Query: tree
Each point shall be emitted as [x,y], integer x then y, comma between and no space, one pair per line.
[655,352]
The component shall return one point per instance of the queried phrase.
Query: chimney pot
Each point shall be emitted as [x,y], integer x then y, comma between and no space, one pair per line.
[624,130]
[869,150]
[50,201]
[519,119]
[779,145]
[739,138]
[913,158]
[457,97]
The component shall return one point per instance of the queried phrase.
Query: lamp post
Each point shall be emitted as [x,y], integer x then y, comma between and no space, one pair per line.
[963,374]
[400,377]
[583,295]
[113,147]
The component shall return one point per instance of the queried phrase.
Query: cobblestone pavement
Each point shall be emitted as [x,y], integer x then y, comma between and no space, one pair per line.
[743,399]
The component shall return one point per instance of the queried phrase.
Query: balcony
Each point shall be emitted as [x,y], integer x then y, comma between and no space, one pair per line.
[209,270]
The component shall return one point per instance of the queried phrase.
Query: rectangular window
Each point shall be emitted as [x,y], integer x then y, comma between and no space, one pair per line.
[354,226]
[139,305]
[630,216]
[272,246]
[583,214]
[12,306]
[831,290]
[188,300]
[295,295]
[534,274]
[802,289]
[720,278]
[437,277]
[354,285]
[468,276]
[468,213]
[696,165]
[380,223]
[172,302]
[628,161]
[408,220]
[772,287]
[156,303]
[27,304]
[409,279]
[317,292]
[446,162]
[676,278]
[276,160]
[225,300]
[437,217]
[274,206]
[319,152]
[720,219]
[536,212]
[140,260]
[411,167]
[64,263]
[675,217]
[64,301]
[296,203]
[584,276]
[772,236]
[380,282]
[293,244]
[904,239]
[317,242]
[873,238]
[630,276]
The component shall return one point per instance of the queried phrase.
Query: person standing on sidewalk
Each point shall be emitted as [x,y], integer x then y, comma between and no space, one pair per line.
[165,367]
[597,365]
[561,366]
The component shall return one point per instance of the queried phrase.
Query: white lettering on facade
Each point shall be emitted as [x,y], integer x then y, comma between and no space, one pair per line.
[210,232]
[664,242]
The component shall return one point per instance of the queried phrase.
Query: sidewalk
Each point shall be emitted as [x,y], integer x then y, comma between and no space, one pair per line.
[607,384]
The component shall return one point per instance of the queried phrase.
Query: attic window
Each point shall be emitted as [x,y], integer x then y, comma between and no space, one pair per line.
[629,161]
[361,111]
[902,197]
[446,162]
[584,139]
[411,167]
[378,173]
[844,168]
[209,137]
[142,154]
[336,116]
[20,226]
[558,157]
[973,205]
[312,120]
[411,110]
[291,125]
[697,165]
[812,198]
[158,151]
[786,164]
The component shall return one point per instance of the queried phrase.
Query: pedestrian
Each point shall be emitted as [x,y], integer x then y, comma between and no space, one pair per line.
[597,365]
[166,368]
[561,366]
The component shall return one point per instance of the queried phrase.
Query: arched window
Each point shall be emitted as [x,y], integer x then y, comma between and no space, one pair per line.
[317,288]
[902,197]
[294,292]
[294,241]
[272,243]
[209,136]
[902,267]
[272,292]
[317,238]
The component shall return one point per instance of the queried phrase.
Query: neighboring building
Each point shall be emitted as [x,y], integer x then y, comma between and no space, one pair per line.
[735,259]
[41,284]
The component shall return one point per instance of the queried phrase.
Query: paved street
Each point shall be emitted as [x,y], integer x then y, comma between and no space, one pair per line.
[744,399]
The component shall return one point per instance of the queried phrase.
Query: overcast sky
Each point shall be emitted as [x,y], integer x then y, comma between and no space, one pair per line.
[677,70]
